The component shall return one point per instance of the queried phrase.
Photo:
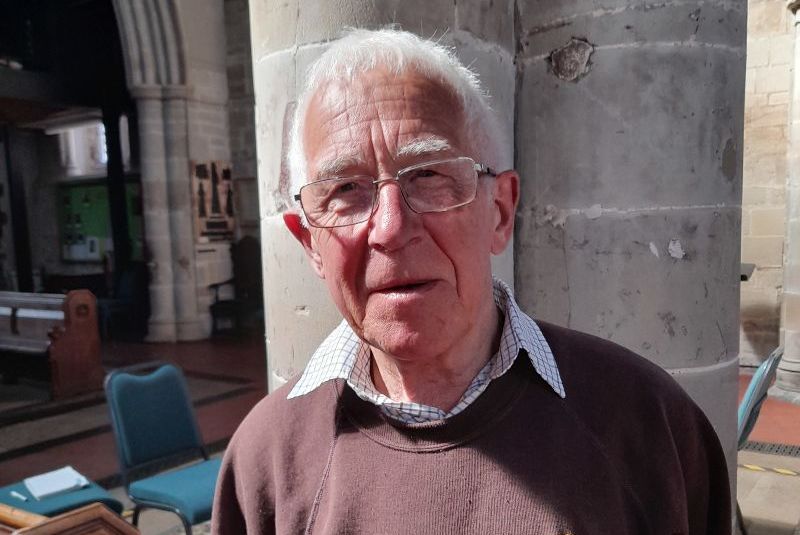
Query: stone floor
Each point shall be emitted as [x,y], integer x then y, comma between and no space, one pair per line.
[770,500]
[768,486]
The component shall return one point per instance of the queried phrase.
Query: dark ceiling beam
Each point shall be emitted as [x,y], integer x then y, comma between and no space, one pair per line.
[39,87]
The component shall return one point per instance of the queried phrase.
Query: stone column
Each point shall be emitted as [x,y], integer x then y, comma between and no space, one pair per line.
[286,37]
[788,377]
[161,325]
[66,141]
[188,323]
[629,144]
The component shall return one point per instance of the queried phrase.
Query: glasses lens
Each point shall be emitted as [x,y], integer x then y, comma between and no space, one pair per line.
[440,186]
[337,202]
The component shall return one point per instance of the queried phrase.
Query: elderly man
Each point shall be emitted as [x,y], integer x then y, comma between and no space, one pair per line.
[438,406]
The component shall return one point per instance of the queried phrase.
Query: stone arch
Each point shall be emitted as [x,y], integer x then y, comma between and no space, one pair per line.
[152,42]
[153,49]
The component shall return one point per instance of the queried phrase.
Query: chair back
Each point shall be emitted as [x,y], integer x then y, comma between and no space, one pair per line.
[151,415]
[755,395]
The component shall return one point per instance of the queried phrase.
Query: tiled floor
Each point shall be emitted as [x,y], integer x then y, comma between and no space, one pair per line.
[768,493]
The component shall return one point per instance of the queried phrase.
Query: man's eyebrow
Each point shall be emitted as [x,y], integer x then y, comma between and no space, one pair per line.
[332,168]
[422,147]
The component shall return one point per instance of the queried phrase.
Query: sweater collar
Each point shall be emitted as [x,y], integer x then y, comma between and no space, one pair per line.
[491,408]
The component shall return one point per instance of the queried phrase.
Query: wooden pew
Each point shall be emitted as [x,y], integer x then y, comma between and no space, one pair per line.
[53,337]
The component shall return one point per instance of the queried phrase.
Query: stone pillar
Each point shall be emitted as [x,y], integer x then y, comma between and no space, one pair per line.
[188,324]
[788,377]
[66,141]
[286,37]
[161,325]
[629,145]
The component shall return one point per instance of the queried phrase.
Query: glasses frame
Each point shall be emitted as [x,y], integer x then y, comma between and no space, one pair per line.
[479,169]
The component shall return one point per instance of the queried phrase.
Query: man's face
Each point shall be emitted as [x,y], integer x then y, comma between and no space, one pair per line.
[409,284]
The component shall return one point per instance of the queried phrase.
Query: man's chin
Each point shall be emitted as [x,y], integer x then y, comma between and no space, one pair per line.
[405,342]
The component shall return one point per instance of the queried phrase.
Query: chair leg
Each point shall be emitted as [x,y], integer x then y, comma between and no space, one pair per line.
[136,510]
[187,526]
[740,520]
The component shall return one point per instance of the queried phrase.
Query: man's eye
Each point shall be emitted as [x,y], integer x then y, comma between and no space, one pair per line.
[348,195]
[346,187]
[423,173]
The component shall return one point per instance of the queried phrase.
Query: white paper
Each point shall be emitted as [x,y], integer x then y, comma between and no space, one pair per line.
[55,482]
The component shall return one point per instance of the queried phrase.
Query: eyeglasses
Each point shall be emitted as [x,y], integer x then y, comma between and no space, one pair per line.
[435,186]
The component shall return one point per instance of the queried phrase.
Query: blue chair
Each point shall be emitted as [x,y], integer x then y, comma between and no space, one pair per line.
[750,407]
[153,422]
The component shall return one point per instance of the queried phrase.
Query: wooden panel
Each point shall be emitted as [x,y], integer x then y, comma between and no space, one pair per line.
[75,361]
[93,519]
[18,518]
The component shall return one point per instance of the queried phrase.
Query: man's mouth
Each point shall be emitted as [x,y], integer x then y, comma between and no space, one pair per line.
[405,287]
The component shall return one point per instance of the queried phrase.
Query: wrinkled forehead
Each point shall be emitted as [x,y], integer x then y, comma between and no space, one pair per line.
[343,114]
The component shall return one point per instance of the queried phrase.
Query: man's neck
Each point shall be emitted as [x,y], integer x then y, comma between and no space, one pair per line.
[439,380]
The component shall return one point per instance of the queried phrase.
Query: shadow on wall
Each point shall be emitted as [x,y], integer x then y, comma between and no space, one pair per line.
[760,326]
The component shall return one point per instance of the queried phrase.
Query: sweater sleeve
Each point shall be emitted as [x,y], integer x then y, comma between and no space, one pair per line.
[705,474]
[243,500]
[227,517]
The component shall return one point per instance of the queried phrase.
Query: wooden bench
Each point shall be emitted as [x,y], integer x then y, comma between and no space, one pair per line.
[52,337]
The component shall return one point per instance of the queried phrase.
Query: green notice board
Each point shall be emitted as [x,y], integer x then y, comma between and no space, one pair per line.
[84,224]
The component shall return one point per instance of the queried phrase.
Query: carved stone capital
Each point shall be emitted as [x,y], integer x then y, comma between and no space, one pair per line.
[179,92]
[146,92]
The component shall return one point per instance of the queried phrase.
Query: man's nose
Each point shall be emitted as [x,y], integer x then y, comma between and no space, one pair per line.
[393,224]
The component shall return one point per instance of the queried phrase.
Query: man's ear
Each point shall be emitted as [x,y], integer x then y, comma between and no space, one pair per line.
[301,232]
[506,197]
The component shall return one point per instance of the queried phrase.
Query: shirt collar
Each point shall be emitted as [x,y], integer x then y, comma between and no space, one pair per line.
[336,357]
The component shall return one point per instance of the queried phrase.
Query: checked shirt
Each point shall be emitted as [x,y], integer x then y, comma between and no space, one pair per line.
[343,355]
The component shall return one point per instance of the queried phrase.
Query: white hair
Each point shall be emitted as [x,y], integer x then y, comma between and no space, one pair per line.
[360,51]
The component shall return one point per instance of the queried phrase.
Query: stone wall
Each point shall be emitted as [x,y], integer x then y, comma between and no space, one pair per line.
[769,57]
[241,115]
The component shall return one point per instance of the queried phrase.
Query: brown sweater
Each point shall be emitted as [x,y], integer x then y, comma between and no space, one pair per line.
[627,452]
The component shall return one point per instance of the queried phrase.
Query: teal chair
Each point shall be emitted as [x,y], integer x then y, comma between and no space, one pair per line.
[153,422]
[750,407]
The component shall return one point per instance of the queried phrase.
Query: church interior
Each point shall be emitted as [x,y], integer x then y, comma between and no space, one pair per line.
[142,168]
